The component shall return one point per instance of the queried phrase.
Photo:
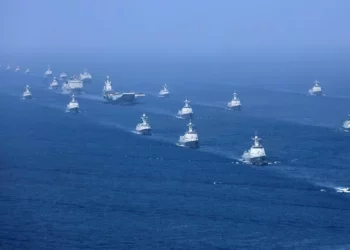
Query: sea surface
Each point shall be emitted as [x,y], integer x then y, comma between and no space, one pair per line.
[86,181]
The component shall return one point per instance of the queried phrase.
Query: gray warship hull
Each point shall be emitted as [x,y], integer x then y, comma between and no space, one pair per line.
[145,132]
[189,144]
[121,98]
[259,161]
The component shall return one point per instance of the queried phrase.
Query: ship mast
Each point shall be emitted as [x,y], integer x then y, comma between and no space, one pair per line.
[186,103]
[144,119]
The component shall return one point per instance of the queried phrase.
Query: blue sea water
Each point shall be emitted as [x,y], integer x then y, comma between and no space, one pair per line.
[87,182]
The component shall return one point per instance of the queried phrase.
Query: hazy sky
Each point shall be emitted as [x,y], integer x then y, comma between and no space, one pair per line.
[173,26]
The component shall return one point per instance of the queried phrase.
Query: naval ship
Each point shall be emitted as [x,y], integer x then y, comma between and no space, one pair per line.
[164,92]
[343,190]
[75,85]
[316,89]
[86,77]
[54,84]
[346,124]
[190,138]
[186,111]
[143,128]
[118,97]
[73,105]
[235,103]
[17,69]
[256,154]
[65,87]
[63,75]
[27,71]
[48,72]
[27,94]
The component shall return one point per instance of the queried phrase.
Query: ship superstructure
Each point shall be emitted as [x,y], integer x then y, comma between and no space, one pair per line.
[143,128]
[63,75]
[190,138]
[256,154]
[316,89]
[27,94]
[186,111]
[86,76]
[48,72]
[164,92]
[73,105]
[235,103]
[346,124]
[75,85]
[118,97]
[53,84]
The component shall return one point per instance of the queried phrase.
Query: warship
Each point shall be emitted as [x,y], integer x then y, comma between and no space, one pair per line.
[63,75]
[118,97]
[75,85]
[164,92]
[27,94]
[235,103]
[86,77]
[48,72]
[53,84]
[346,124]
[343,190]
[316,89]
[65,87]
[73,105]
[186,111]
[190,138]
[256,154]
[143,128]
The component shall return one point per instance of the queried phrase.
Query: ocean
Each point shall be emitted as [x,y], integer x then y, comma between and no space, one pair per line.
[86,181]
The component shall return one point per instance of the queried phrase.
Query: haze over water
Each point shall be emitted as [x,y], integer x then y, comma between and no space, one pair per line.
[87,182]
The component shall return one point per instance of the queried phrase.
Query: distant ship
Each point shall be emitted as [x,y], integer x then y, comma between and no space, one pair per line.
[75,84]
[48,72]
[27,71]
[73,105]
[235,103]
[27,94]
[186,111]
[65,87]
[316,89]
[190,138]
[107,88]
[63,75]
[343,190]
[17,69]
[256,154]
[164,92]
[346,124]
[54,84]
[86,77]
[143,128]
[118,97]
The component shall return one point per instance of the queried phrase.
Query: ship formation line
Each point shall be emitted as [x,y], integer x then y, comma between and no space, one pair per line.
[255,155]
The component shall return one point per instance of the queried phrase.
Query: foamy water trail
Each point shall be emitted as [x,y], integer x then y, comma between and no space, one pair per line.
[157,111]
[211,105]
[92,97]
